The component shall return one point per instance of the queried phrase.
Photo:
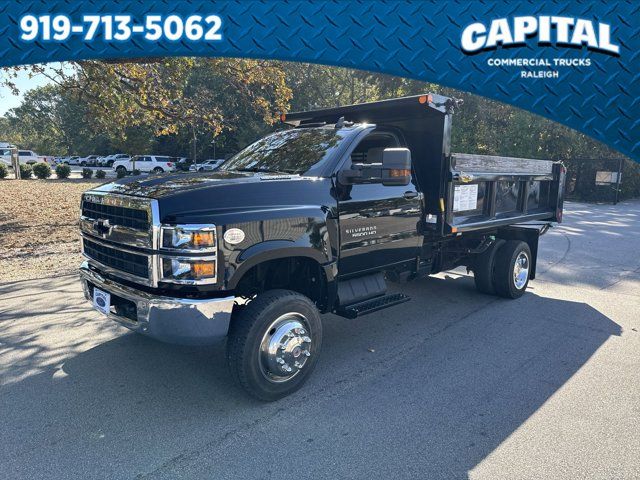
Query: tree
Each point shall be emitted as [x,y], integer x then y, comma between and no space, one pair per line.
[160,105]
[172,96]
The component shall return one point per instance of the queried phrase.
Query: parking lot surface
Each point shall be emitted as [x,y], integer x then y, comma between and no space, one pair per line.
[453,384]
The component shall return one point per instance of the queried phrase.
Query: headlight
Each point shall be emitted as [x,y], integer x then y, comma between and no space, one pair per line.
[189,238]
[183,270]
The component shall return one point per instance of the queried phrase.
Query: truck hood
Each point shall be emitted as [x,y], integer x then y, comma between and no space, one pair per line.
[161,186]
[216,197]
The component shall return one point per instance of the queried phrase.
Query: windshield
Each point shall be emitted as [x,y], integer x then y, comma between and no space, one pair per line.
[288,151]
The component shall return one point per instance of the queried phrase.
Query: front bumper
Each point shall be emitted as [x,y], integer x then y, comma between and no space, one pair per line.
[182,321]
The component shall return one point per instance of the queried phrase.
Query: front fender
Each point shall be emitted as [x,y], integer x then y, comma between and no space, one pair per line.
[273,239]
[272,250]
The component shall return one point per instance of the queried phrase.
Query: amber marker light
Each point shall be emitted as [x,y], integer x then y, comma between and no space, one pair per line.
[203,269]
[397,172]
[203,239]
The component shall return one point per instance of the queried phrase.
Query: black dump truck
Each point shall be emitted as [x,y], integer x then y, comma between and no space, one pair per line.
[312,219]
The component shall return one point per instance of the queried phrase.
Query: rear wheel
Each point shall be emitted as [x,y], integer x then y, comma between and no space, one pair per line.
[83,164]
[483,268]
[274,343]
[158,170]
[512,269]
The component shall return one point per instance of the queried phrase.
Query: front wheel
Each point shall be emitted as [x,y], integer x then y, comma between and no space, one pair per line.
[158,170]
[274,343]
[122,169]
[512,269]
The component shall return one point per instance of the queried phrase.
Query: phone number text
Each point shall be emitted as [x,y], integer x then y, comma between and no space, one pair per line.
[120,28]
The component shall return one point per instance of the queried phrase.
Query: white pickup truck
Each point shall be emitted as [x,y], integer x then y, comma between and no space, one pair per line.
[25,156]
[145,163]
[30,157]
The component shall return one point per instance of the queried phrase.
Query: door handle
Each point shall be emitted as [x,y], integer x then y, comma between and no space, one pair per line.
[409,195]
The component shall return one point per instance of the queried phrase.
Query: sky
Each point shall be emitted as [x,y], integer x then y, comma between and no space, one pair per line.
[8,100]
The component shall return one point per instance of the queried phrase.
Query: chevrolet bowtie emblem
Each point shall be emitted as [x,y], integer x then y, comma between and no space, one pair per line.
[102,227]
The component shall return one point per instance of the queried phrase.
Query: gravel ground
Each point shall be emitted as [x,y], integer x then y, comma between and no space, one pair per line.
[39,227]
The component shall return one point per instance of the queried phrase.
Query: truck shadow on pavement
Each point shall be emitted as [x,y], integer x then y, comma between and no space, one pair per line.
[427,390]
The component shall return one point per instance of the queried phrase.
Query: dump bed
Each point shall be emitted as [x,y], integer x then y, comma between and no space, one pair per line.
[461,192]
[487,191]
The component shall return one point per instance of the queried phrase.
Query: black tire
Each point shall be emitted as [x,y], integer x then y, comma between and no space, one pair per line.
[121,168]
[158,170]
[248,331]
[83,164]
[504,281]
[201,169]
[483,268]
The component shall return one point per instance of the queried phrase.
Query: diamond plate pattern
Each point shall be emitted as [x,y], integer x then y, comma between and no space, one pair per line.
[412,39]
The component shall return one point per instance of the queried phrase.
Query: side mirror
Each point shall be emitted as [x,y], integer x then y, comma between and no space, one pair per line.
[396,166]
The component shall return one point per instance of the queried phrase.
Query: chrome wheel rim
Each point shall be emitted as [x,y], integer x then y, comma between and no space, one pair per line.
[521,270]
[285,347]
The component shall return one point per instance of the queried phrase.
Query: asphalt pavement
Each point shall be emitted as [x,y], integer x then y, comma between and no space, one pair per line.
[453,384]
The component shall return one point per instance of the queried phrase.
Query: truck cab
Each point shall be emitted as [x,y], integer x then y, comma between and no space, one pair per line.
[312,219]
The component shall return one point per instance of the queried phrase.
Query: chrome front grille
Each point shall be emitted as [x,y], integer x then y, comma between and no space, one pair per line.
[128,262]
[121,236]
[117,215]
[126,220]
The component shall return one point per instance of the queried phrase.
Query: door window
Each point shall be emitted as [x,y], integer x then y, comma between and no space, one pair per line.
[369,150]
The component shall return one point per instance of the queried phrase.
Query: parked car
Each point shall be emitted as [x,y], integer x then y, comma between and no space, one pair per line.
[111,159]
[30,157]
[145,163]
[88,161]
[183,163]
[312,220]
[207,165]
[74,160]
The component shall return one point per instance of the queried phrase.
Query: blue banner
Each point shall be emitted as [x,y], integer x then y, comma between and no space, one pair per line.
[573,62]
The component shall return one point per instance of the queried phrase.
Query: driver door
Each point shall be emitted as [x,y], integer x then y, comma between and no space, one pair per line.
[378,223]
